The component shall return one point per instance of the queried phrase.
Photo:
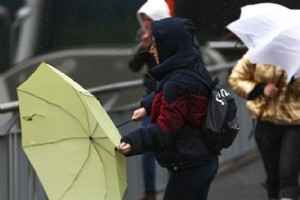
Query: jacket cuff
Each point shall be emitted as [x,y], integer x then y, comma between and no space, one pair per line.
[257,91]
[135,140]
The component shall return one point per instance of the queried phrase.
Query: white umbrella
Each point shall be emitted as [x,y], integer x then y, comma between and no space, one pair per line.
[272,34]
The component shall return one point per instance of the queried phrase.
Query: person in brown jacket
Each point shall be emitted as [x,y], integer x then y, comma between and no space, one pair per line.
[275,105]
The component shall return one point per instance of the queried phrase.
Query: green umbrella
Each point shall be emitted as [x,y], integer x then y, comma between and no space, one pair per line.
[69,138]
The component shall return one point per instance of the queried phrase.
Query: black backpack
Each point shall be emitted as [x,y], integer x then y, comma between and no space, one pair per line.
[222,125]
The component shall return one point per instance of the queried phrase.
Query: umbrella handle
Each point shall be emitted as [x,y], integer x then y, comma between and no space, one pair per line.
[263,107]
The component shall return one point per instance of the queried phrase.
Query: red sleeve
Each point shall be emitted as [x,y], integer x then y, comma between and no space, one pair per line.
[173,115]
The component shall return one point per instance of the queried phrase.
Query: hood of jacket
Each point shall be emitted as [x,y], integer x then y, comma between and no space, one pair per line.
[155,9]
[174,39]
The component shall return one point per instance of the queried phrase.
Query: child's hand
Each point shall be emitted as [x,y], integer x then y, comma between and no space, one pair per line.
[124,148]
[139,114]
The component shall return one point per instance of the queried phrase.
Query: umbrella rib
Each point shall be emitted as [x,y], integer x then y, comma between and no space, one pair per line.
[94,141]
[86,115]
[58,107]
[89,153]
[249,38]
[102,148]
[54,142]
[100,137]
[97,125]
[95,129]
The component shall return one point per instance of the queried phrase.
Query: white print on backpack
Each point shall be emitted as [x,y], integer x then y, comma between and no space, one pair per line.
[222,94]
[222,124]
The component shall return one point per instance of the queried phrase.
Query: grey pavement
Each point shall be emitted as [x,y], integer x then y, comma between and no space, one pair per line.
[243,183]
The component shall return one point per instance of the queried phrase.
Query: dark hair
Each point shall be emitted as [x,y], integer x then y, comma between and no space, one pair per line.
[230,36]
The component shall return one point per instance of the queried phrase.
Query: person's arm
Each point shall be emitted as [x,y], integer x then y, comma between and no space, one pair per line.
[139,58]
[144,139]
[172,117]
[241,79]
[146,102]
[257,91]
[140,53]
[294,87]
[174,109]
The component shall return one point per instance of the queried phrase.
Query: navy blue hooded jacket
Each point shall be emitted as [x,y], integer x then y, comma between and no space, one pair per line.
[178,107]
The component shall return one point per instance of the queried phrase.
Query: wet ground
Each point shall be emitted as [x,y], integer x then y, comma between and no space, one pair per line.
[244,183]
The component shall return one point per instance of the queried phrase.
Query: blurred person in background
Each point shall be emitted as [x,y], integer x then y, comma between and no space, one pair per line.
[149,11]
[277,130]
[178,108]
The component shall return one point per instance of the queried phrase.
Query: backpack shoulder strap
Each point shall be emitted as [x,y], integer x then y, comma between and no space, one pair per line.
[198,76]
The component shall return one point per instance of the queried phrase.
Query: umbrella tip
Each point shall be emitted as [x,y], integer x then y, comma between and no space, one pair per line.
[91,138]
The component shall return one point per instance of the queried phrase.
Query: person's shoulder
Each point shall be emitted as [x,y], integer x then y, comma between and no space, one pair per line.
[245,58]
[177,85]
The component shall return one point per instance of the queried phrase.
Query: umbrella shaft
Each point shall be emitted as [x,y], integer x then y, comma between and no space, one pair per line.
[124,123]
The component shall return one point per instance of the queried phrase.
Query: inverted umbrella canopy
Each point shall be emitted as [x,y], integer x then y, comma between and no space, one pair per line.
[69,139]
[272,34]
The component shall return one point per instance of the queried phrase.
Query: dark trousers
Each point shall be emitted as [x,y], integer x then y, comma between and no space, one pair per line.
[279,147]
[148,164]
[148,161]
[192,184]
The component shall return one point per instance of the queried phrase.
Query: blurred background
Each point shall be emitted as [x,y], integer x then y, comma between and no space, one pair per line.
[92,41]
[59,25]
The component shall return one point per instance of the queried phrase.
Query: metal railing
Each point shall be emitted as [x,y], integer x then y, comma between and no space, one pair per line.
[115,87]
